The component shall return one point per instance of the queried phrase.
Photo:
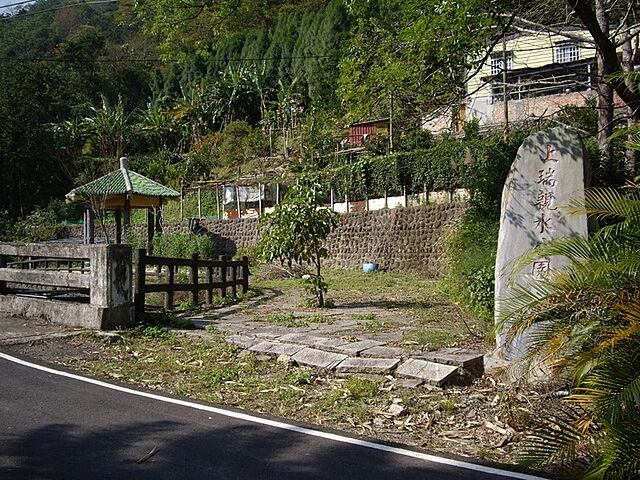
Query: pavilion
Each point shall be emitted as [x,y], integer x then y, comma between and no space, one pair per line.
[121,191]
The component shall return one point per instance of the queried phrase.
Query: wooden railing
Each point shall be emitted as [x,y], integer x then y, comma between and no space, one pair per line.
[202,275]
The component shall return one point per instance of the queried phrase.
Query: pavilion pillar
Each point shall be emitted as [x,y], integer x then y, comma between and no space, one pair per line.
[151,227]
[127,214]
[89,227]
[118,226]
[159,212]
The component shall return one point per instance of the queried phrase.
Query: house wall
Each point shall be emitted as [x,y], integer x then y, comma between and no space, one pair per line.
[527,109]
[372,129]
[529,51]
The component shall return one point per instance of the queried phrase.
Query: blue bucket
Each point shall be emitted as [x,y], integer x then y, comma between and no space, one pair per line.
[369,267]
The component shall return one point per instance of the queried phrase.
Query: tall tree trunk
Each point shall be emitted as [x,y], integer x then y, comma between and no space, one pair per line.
[628,61]
[604,90]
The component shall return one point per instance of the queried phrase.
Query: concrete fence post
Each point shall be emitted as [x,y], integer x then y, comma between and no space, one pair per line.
[111,284]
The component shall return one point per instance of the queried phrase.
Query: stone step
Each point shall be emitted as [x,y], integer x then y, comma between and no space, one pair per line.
[274,348]
[429,372]
[318,358]
[367,356]
[368,365]
[472,362]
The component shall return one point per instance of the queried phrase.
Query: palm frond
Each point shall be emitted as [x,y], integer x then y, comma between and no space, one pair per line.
[556,438]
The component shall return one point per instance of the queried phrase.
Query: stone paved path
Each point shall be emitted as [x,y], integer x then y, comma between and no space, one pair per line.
[339,343]
[336,342]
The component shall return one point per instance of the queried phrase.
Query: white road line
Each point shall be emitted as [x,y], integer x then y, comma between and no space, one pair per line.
[281,425]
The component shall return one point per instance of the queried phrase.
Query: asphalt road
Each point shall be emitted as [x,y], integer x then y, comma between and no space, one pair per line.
[59,425]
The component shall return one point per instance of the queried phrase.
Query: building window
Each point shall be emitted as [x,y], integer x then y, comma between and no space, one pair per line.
[497,62]
[567,52]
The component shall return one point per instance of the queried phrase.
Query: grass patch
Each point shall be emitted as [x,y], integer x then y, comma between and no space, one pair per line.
[361,388]
[433,338]
[294,321]
[369,322]
[361,317]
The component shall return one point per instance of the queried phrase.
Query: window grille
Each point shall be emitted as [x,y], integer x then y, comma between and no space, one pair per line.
[567,52]
[497,63]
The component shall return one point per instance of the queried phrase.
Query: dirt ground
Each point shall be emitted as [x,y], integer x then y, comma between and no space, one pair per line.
[487,419]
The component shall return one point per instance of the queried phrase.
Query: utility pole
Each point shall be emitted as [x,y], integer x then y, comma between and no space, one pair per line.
[390,122]
[505,93]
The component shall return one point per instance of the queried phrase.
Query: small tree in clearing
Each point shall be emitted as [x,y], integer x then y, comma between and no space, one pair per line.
[295,232]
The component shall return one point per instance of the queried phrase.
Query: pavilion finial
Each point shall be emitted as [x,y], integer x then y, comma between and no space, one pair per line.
[124,168]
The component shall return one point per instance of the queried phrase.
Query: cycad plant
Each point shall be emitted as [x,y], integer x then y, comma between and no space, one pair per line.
[586,325]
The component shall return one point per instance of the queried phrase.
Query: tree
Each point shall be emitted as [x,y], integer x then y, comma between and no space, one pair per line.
[110,128]
[614,28]
[587,319]
[29,171]
[296,230]
[193,25]
[415,53]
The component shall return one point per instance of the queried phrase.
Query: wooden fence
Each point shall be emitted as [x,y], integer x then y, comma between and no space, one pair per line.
[202,275]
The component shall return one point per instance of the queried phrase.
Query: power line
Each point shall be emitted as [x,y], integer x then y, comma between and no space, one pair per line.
[150,60]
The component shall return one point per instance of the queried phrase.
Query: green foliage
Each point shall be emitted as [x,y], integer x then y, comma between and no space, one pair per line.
[286,320]
[292,320]
[41,225]
[479,164]
[296,229]
[182,245]
[472,254]
[587,326]
[397,45]
[220,375]
[6,227]
[152,331]
[361,388]
[604,173]
[300,377]
[167,319]
[218,301]
[215,331]
[188,306]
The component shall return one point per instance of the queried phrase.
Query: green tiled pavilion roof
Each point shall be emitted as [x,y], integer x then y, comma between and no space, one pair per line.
[122,188]
[115,183]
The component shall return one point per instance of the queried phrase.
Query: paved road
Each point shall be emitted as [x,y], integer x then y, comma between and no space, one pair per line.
[58,425]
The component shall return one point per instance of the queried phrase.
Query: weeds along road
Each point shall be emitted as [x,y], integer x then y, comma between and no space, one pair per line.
[55,424]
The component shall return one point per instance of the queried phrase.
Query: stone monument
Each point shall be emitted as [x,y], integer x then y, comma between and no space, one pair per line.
[548,171]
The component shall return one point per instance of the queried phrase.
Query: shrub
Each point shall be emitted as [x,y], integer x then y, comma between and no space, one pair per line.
[182,245]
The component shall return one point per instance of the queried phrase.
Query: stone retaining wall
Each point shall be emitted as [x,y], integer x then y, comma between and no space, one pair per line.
[401,239]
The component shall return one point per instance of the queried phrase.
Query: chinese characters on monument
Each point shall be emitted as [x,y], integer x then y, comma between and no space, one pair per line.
[548,171]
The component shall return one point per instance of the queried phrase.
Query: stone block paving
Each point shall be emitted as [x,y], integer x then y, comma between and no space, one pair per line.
[349,354]
[429,372]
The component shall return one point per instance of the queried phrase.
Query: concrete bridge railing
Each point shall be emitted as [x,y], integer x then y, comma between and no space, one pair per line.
[87,286]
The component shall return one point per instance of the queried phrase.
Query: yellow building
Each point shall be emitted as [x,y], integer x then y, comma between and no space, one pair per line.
[543,72]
